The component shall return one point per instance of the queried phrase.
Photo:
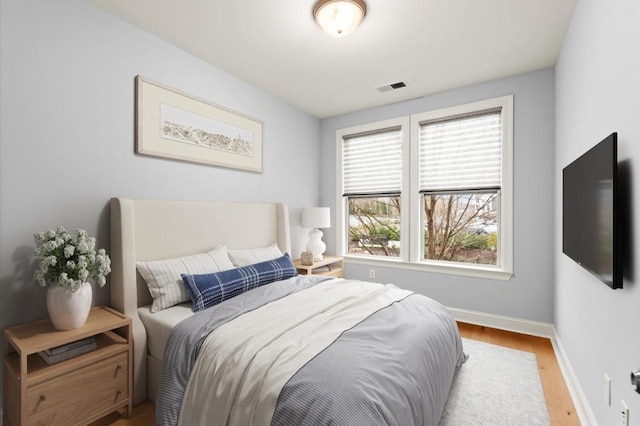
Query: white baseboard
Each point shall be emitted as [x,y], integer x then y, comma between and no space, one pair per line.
[575,390]
[540,329]
[532,328]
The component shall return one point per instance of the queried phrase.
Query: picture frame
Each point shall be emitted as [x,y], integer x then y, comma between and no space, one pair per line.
[173,124]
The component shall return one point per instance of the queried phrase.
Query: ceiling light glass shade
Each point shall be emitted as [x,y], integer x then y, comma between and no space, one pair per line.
[339,18]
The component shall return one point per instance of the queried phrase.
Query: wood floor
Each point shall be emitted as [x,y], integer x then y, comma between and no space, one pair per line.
[561,409]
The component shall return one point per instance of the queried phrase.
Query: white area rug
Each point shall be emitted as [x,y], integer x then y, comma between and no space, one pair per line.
[496,386]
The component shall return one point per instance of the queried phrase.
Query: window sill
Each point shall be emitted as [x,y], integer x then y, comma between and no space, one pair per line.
[474,271]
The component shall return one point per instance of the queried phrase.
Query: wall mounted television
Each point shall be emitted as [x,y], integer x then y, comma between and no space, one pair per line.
[590,225]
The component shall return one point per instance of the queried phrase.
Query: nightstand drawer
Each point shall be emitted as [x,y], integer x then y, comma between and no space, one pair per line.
[67,399]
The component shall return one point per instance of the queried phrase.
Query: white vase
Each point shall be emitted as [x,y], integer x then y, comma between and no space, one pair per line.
[69,310]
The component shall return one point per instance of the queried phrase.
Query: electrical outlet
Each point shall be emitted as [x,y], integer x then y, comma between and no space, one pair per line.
[372,273]
[606,389]
[625,414]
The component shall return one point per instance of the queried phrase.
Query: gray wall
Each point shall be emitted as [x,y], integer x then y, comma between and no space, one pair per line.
[67,136]
[529,294]
[598,92]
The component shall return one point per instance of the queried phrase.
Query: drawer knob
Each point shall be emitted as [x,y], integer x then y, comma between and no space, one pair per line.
[43,398]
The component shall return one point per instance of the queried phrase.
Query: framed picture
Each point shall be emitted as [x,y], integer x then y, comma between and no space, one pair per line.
[173,124]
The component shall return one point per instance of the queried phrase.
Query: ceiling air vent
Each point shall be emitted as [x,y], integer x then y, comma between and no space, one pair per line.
[392,86]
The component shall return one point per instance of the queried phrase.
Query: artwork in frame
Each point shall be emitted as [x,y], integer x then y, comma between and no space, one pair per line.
[173,124]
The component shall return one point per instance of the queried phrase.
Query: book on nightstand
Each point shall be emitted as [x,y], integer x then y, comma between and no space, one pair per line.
[70,350]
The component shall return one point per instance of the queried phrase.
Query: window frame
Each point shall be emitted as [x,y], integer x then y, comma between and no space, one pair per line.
[411,221]
[342,202]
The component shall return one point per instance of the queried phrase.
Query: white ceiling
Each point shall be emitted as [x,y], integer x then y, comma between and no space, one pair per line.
[432,45]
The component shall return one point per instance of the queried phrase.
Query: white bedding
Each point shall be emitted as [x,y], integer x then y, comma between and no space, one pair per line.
[159,325]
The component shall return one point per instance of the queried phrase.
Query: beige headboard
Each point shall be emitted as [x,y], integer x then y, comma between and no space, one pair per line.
[157,229]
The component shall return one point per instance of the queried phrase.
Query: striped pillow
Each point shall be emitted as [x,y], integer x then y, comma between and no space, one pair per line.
[256,255]
[211,289]
[163,276]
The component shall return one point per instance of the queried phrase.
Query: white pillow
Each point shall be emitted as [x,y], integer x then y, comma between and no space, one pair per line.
[164,280]
[256,255]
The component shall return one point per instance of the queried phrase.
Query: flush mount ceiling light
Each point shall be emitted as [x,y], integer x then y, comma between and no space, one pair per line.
[339,18]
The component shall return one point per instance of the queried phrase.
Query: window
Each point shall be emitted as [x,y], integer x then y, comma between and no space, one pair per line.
[430,191]
[372,186]
[460,177]
[374,226]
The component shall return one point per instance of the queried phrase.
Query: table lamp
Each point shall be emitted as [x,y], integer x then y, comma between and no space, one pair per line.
[316,217]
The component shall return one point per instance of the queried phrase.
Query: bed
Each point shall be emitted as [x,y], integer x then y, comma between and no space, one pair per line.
[374,354]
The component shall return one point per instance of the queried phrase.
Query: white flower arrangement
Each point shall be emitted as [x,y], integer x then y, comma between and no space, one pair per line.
[69,262]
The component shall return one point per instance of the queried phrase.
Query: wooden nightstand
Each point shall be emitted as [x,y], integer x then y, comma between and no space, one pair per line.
[331,266]
[76,391]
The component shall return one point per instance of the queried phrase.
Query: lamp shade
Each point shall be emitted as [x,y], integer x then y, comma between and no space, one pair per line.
[339,18]
[316,217]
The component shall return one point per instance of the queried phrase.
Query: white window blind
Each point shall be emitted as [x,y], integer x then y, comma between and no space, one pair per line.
[461,153]
[372,163]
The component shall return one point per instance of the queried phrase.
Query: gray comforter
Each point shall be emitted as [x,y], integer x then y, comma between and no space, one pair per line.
[394,368]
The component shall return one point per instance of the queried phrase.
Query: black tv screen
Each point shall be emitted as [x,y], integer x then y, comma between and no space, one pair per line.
[589,213]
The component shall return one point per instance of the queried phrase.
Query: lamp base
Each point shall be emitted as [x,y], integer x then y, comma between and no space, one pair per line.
[316,245]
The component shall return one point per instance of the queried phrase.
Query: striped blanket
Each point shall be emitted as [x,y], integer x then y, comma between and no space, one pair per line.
[308,351]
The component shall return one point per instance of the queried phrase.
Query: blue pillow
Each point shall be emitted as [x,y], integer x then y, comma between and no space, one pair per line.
[207,290]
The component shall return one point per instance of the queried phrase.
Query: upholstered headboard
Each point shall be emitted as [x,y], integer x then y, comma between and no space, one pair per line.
[156,229]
